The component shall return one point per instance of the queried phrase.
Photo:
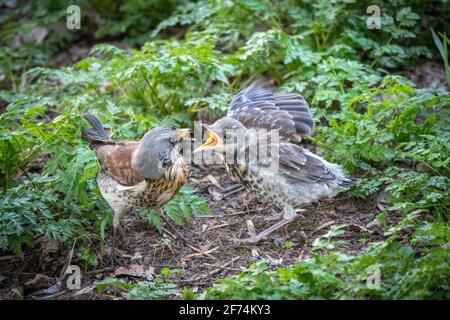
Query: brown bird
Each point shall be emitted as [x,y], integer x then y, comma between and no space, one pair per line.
[138,174]
[290,176]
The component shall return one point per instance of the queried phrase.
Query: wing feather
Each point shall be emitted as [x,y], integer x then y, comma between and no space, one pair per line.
[115,159]
[261,106]
[299,165]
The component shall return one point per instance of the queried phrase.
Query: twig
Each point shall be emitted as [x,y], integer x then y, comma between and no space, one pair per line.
[247,211]
[100,270]
[70,255]
[232,187]
[214,181]
[200,252]
[180,235]
[323,226]
[52,295]
[8,258]
[233,191]
[220,226]
[211,273]
[210,216]
[362,228]
[226,268]
[168,232]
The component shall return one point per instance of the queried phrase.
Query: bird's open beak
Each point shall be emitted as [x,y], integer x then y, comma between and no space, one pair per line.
[211,143]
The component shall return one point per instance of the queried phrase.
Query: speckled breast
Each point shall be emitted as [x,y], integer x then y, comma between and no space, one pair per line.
[147,194]
[252,180]
[158,193]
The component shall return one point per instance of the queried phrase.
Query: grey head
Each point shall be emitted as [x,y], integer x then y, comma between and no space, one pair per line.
[227,137]
[227,125]
[235,143]
[233,133]
[158,150]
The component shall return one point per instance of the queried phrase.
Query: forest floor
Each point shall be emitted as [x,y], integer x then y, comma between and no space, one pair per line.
[209,252]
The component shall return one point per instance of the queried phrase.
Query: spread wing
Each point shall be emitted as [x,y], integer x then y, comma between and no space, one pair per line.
[115,159]
[261,106]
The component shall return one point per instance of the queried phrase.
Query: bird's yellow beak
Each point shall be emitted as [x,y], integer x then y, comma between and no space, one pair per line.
[211,143]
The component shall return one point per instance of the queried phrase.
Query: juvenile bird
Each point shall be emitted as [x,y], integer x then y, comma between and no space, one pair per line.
[138,174]
[290,176]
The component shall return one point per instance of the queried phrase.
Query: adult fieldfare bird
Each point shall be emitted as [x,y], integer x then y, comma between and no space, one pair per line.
[138,174]
[291,175]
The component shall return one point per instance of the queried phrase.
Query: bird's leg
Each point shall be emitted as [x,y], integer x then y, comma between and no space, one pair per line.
[171,225]
[112,255]
[274,217]
[112,259]
[288,216]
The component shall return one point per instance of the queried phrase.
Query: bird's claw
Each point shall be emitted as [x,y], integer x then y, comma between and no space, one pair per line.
[113,257]
[112,260]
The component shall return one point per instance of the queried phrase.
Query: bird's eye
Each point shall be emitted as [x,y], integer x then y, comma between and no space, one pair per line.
[166,162]
[229,136]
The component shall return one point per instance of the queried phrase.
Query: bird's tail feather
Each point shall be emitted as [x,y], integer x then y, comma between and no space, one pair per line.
[97,132]
[348,182]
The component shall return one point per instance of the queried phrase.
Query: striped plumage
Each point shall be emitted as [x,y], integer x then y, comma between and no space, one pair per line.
[292,176]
